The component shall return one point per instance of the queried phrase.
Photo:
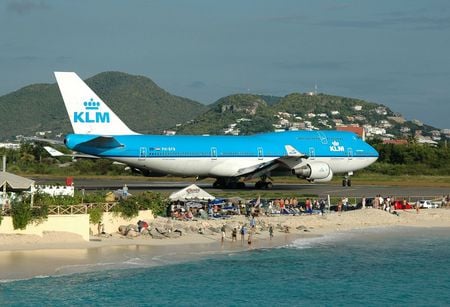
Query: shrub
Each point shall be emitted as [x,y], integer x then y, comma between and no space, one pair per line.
[21,214]
[127,208]
[95,214]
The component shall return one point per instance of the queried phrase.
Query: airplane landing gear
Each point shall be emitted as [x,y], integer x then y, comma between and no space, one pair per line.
[347,182]
[228,183]
[263,183]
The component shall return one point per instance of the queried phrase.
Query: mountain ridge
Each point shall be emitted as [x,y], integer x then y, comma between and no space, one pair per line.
[147,108]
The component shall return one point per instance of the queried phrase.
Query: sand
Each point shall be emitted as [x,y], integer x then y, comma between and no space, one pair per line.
[25,256]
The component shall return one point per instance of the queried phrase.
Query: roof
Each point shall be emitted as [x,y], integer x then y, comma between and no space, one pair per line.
[15,182]
[192,192]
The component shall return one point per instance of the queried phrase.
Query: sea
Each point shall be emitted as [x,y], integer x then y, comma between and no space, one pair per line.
[374,267]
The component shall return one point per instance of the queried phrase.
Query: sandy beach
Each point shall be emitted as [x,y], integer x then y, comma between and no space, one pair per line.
[26,256]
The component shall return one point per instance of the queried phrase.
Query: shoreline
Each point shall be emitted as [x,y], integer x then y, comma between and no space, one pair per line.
[24,257]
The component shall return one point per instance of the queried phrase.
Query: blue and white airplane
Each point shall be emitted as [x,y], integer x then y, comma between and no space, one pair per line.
[312,155]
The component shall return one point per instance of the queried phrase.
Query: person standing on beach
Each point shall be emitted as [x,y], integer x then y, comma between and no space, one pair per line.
[234,234]
[243,231]
[223,232]
[322,206]
[339,207]
[271,232]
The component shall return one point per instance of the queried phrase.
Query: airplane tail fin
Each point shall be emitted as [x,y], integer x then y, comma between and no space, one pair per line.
[87,112]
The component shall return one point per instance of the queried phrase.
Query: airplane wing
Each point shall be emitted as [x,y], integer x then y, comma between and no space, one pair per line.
[265,168]
[55,153]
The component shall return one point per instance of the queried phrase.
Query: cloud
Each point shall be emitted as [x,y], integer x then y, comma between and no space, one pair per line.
[318,65]
[27,58]
[418,19]
[197,84]
[23,7]
[405,20]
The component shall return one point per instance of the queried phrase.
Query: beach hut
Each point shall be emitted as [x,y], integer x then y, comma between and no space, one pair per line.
[191,193]
[13,183]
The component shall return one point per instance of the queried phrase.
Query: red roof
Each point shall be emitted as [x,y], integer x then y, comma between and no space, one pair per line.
[356,129]
[396,142]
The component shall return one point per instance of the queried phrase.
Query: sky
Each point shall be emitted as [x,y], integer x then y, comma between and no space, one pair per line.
[396,53]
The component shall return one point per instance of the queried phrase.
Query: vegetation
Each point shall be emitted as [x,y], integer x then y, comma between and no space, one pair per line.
[95,214]
[41,108]
[23,213]
[129,207]
[411,159]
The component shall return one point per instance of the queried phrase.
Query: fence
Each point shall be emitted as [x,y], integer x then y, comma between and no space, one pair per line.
[71,210]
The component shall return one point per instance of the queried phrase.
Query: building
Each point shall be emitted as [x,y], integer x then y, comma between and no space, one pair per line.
[355,129]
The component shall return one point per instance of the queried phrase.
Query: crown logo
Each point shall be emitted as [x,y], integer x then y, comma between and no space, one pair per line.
[335,143]
[91,104]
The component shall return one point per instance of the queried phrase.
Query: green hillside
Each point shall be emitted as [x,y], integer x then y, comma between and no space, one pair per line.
[144,106]
[247,114]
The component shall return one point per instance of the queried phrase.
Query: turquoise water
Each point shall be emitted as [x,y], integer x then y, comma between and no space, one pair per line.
[371,267]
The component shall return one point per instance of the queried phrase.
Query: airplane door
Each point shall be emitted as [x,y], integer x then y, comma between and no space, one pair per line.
[350,153]
[323,137]
[260,153]
[213,153]
[142,153]
[312,153]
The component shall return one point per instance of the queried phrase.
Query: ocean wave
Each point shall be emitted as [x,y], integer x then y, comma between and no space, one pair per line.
[326,240]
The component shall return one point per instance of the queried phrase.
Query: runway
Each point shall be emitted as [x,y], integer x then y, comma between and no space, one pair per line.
[140,185]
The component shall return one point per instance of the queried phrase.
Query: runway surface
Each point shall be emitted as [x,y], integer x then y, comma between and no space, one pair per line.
[321,189]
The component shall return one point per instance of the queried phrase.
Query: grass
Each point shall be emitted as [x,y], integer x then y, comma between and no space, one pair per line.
[359,178]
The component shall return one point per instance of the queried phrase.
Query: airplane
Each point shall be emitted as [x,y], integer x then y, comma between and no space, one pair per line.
[56,153]
[312,155]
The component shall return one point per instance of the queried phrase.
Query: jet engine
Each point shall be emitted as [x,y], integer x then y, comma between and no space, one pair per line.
[316,171]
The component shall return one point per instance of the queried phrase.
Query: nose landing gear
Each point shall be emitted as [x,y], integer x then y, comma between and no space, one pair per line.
[347,182]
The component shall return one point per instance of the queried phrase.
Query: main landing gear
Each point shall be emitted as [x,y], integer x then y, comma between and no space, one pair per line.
[263,183]
[228,183]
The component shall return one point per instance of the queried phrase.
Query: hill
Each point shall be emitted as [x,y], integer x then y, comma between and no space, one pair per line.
[147,108]
[142,105]
[247,114]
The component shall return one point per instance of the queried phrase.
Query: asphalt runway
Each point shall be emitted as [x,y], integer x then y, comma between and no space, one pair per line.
[319,189]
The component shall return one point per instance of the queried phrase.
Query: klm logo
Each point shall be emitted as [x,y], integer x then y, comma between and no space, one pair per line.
[91,114]
[337,147]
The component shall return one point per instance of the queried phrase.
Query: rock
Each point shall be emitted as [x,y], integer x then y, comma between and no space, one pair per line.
[156,235]
[123,230]
[132,233]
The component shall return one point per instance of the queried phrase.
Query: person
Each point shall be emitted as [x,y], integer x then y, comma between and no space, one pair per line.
[100,228]
[243,232]
[417,207]
[308,206]
[142,225]
[189,216]
[345,203]
[363,202]
[271,231]
[339,207]
[252,223]
[322,206]
[125,191]
[234,234]
[223,232]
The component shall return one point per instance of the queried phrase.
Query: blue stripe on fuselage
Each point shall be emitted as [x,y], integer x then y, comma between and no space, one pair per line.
[310,143]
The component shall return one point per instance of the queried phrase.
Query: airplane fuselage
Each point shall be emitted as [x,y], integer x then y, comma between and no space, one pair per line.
[230,156]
